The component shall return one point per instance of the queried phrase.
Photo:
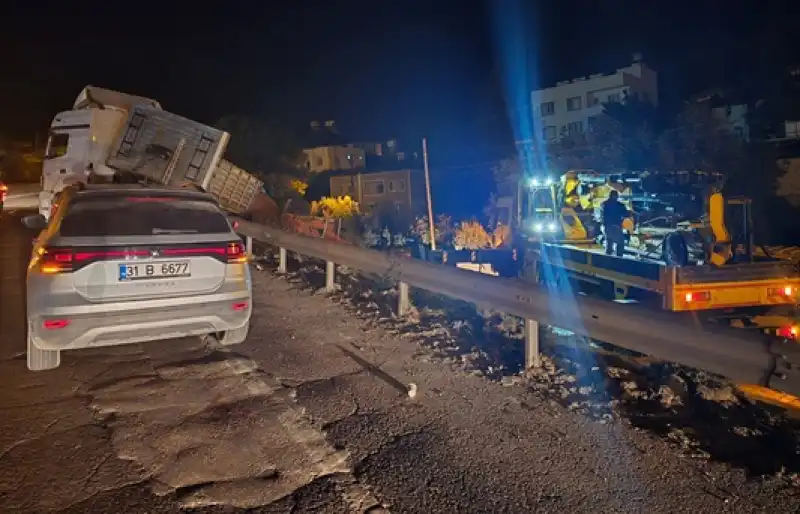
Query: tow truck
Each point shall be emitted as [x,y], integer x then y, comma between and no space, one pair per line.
[680,254]
[688,250]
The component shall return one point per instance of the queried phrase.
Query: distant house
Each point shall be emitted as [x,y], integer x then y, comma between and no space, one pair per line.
[733,119]
[788,184]
[335,157]
[404,189]
[327,150]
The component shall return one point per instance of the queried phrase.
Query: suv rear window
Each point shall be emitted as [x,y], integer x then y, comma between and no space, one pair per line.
[141,216]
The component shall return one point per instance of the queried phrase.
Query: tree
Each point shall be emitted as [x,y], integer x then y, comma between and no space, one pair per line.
[624,136]
[506,174]
[267,149]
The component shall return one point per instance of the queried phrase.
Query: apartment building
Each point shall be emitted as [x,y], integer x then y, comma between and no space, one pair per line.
[402,188]
[326,150]
[335,157]
[571,106]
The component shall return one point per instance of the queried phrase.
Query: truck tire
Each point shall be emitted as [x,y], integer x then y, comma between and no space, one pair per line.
[675,252]
[41,360]
[235,336]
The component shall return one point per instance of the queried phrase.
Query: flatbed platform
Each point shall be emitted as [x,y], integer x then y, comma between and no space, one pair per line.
[679,288]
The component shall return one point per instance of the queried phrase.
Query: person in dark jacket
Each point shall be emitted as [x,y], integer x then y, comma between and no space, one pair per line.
[614,212]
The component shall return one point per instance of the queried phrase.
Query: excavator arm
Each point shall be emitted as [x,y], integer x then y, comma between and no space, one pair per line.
[720,249]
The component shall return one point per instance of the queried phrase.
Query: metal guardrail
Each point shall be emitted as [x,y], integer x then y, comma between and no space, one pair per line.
[743,357]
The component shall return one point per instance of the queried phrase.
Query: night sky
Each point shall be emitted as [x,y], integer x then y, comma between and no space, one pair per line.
[381,69]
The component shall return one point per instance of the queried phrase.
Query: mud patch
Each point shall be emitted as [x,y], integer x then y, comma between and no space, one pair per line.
[208,430]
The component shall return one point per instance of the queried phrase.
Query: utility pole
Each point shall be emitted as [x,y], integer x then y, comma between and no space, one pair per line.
[431,225]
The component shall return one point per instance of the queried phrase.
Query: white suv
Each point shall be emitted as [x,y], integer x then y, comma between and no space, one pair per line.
[119,264]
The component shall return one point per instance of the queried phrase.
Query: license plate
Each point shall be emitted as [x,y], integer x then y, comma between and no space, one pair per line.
[128,272]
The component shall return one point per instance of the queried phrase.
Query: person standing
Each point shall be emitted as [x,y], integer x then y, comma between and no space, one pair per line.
[613,214]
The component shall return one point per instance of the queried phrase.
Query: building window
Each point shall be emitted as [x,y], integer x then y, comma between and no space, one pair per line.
[397,186]
[547,108]
[590,121]
[374,187]
[592,99]
[574,103]
[793,129]
[549,133]
[613,98]
[574,128]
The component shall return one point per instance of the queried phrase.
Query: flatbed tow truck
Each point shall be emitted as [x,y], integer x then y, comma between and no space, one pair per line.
[679,256]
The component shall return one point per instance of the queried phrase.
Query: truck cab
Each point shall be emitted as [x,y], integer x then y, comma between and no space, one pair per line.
[78,141]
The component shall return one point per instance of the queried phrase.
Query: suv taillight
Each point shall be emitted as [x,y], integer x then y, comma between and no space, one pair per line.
[235,252]
[56,260]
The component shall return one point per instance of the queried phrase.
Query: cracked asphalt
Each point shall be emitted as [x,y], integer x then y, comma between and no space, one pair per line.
[312,414]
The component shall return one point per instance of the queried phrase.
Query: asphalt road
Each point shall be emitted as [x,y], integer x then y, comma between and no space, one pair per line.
[22,196]
[312,414]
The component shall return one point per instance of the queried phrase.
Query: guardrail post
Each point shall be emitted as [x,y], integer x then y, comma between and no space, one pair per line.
[402,299]
[282,260]
[330,271]
[532,357]
[248,241]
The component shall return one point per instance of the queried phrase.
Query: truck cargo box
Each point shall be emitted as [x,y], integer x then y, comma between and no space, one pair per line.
[167,148]
[233,187]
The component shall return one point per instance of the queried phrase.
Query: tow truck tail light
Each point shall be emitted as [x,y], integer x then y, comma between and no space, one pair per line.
[53,261]
[785,291]
[788,332]
[697,296]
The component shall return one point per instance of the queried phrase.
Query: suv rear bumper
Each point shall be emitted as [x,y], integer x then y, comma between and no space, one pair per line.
[114,326]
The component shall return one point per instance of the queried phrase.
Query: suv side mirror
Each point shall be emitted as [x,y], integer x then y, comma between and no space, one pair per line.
[35,222]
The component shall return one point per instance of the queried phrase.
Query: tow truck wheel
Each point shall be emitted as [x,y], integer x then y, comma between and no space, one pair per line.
[675,252]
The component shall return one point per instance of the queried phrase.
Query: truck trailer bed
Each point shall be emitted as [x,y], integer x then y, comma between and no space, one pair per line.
[687,288]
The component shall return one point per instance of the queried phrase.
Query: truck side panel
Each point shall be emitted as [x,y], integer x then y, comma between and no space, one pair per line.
[233,187]
[166,148]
